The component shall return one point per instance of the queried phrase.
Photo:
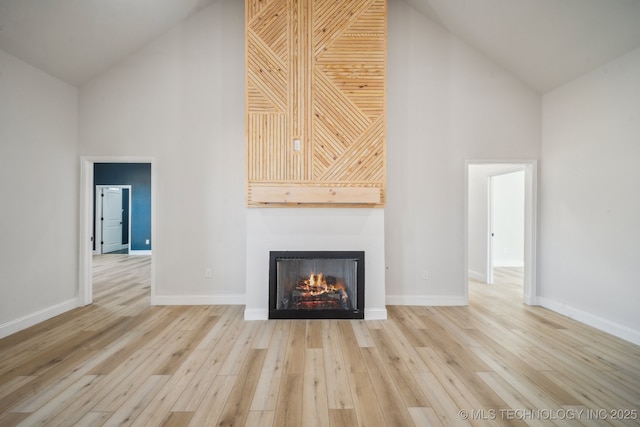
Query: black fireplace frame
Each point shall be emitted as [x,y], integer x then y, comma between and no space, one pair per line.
[356,313]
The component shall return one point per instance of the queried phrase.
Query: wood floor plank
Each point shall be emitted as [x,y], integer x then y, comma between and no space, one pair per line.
[100,364]
[447,411]
[289,408]
[164,400]
[236,410]
[15,383]
[198,388]
[11,419]
[137,401]
[264,334]
[351,351]
[121,383]
[342,417]
[294,361]
[338,391]
[50,409]
[391,400]
[93,419]
[46,387]
[242,343]
[42,383]
[177,419]
[505,363]
[425,417]
[394,339]
[314,334]
[315,406]
[366,405]
[363,336]
[214,401]
[260,419]
[393,363]
[515,399]
[463,393]
[268,387]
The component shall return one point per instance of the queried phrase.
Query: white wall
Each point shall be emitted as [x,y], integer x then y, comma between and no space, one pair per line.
[590,233]
[446,103]
[38,218]
[180,100]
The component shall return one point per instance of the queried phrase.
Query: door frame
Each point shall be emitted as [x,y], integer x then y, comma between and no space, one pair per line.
[98,235]
[530,223]
[85,234]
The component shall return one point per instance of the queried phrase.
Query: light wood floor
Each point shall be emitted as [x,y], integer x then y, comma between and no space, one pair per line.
[495,362]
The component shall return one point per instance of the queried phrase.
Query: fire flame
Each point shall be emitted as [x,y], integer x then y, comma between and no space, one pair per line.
[316,285]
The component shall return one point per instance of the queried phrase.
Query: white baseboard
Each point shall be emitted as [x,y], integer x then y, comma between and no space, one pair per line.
[375,314]
[231,299]
[256,314]
[29,320]
[426,300]
[140,252]
[615,329]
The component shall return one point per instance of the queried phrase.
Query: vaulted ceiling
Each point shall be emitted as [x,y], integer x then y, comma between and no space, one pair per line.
[546,43]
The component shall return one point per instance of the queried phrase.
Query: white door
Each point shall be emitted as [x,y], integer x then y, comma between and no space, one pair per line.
[111,219]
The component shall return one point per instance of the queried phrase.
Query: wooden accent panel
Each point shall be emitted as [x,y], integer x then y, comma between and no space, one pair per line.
[315,194]
[315,71]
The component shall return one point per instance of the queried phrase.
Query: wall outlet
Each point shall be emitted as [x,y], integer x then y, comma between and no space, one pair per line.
[208,274]
[296,145]
[425,275]
[146,242]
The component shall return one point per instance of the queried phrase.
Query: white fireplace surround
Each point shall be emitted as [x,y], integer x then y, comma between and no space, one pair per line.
[314,229]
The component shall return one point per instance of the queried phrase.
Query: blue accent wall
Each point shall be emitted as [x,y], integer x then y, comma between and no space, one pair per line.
[138,176]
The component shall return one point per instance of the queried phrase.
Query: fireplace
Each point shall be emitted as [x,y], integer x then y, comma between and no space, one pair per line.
[316,285]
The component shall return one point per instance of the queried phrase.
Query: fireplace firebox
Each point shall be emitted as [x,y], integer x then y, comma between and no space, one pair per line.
[316,285]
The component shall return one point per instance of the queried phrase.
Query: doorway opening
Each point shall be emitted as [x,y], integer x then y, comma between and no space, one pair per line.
[132,238]
[501,224]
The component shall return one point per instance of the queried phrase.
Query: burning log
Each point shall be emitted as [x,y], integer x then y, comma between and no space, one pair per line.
[319,292]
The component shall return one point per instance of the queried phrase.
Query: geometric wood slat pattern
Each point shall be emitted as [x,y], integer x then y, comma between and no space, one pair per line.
[123,362]
[315,71]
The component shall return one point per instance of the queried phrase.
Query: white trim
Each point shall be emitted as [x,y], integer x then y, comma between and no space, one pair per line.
[613,328]
[530,288]
[256,314]
[140,252]
[427,300]
[224,299]
[375,314]
[85,235]
[29,320]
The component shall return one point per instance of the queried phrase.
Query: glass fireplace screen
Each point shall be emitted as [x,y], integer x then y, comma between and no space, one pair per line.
[321,282]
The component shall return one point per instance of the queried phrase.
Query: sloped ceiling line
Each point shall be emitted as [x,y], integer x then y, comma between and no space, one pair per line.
[545,43]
